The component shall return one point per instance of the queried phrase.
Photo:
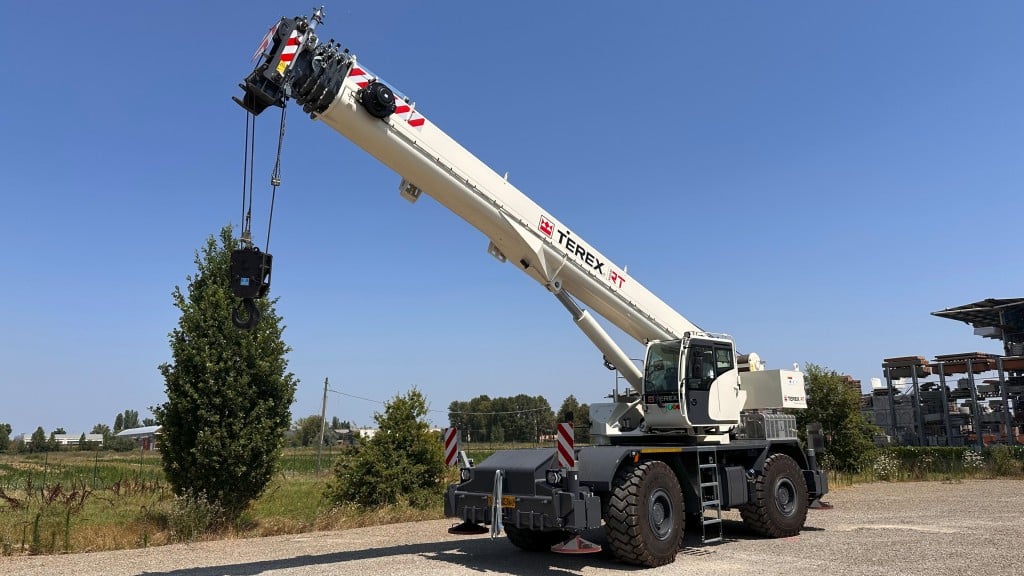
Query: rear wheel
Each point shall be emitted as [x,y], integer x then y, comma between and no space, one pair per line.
[535,540]
[644,517]
[780,505]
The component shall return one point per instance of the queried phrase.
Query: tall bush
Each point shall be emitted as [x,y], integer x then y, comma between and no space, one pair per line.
[401,463]
[849,444]
[228,390]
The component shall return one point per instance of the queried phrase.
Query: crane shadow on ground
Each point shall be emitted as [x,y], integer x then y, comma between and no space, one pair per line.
[732,531]
[477,553]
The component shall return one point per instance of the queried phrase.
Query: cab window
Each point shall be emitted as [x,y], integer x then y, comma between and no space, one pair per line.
[704,363]
[700,367]
[661,370]
[723,360]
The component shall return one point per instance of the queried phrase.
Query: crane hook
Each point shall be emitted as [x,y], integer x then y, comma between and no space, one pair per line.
[252,314]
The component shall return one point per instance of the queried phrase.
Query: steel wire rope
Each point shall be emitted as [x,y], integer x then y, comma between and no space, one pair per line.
[250,165]
[275,177]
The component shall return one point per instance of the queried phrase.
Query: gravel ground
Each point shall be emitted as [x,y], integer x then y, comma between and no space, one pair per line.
[927,528]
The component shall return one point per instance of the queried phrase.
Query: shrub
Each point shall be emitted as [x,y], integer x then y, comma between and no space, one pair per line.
[973,461]
[402,463]
[192,515]
[1004,460]
[886,466]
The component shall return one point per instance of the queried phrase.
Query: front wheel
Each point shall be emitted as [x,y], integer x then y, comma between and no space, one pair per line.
[780,505]
[644,517]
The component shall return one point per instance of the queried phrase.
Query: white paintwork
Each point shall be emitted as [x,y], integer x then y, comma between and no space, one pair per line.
[774,389]
[444,170]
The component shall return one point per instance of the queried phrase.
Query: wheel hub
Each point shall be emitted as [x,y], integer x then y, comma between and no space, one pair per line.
[659,514]
[785,497]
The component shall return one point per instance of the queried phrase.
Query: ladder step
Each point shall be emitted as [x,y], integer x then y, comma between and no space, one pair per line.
[710,521]
[710,504]
[714,540]
[708,466]
[708,484]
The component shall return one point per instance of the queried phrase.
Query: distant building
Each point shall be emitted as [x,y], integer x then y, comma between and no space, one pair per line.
[144,437]
[366,433]
[66,439]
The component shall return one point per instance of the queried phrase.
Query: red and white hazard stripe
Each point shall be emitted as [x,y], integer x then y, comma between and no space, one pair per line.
[290,49]
[360,76]
[451,439]
[403,110]
[409,114]
[564,446]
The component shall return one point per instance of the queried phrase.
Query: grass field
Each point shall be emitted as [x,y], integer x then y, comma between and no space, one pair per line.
[89,501]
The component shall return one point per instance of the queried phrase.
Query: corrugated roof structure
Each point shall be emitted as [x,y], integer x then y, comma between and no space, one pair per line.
[997,318]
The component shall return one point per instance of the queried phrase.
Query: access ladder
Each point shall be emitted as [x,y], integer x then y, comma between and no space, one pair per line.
[710,497]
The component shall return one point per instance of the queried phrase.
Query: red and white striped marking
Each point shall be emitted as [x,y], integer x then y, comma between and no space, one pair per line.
[402,109]
[290,49]
[564,446]
[360,76]
[451,439]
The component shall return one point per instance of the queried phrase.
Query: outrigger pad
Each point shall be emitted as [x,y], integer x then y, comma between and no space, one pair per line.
[817,504]
[250,273]
[576,545]
[467,528]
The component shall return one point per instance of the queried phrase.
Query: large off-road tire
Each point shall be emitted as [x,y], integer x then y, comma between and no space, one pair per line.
[780,501]
[535,540]
[644,516]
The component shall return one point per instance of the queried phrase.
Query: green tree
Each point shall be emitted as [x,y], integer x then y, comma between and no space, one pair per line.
[102,429]
[402,462]
[131,419]
[831,402]
[580,418]
[570,406]
[126,420]
[228,390]
[5,436]
[337,424]
[52,445]
[39,443]
[520,418]
[308,433]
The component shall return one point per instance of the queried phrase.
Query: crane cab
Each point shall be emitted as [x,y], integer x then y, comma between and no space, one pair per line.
[691,382]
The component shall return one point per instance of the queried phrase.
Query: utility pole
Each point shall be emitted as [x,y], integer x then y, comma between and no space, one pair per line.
[323,425]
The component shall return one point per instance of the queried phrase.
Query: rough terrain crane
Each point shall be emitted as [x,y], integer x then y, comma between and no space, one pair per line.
[701,429]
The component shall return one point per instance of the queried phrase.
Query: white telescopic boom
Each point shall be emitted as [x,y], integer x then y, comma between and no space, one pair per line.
[521,230]
[333,88]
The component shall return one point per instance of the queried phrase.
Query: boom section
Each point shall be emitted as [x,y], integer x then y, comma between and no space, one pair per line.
[334,88]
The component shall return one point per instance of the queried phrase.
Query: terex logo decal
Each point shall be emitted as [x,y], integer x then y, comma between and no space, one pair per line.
[546,227]
[617,278]
[564,238]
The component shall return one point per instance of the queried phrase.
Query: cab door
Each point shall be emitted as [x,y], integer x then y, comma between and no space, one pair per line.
[710,369]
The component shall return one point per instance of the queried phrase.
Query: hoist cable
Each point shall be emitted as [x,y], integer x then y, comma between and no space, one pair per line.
[245,166]
[252,170]
[275,178]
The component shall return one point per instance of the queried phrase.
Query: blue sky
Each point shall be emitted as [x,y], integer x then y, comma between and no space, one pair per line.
[812,178]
